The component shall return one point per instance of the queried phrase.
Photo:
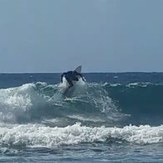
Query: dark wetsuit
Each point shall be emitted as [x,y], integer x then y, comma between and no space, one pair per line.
[71,76]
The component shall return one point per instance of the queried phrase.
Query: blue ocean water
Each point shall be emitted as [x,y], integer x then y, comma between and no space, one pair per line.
[113,117]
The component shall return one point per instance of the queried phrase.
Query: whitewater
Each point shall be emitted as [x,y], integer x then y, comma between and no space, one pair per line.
[109,118]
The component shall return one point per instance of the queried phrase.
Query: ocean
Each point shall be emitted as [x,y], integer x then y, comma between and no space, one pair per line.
[112,117]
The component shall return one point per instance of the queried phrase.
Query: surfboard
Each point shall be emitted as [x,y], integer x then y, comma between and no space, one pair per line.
[78,69]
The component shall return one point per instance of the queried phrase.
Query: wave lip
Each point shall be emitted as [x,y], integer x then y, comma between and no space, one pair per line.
[42,136]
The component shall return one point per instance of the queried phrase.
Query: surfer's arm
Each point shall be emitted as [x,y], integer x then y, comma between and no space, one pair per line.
[83,78]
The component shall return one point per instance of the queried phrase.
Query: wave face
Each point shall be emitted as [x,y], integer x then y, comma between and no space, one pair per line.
[138,99]
[43,102]
[87,103]
[39,115]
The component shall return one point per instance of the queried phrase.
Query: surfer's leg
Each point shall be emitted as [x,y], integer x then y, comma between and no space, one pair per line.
[69,82]
[70,85]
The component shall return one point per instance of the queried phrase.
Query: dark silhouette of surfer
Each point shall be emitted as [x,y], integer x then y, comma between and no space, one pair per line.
[71,76]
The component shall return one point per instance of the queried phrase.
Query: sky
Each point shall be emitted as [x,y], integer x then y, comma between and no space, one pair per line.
[101,35]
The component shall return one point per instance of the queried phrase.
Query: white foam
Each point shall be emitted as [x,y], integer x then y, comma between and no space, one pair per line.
[42,136]
[142,84]
[63,84]
[82,118]
[16,101]
[79,84]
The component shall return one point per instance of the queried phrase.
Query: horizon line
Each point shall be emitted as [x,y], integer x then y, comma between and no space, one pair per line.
[82,72]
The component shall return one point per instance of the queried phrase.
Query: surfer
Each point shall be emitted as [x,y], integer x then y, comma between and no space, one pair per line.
[71,76]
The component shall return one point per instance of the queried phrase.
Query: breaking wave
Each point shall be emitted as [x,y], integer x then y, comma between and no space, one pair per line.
[43,102]
[39,115]
[34,135]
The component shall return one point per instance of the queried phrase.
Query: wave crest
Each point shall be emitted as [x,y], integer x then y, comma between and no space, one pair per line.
[42,136]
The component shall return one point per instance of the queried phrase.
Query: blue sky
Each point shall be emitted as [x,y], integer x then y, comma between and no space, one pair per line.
[102,35]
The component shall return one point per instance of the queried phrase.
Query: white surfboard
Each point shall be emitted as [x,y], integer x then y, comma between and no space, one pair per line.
[78,69]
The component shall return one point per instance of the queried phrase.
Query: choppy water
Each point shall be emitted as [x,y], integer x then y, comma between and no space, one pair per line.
[111,118]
